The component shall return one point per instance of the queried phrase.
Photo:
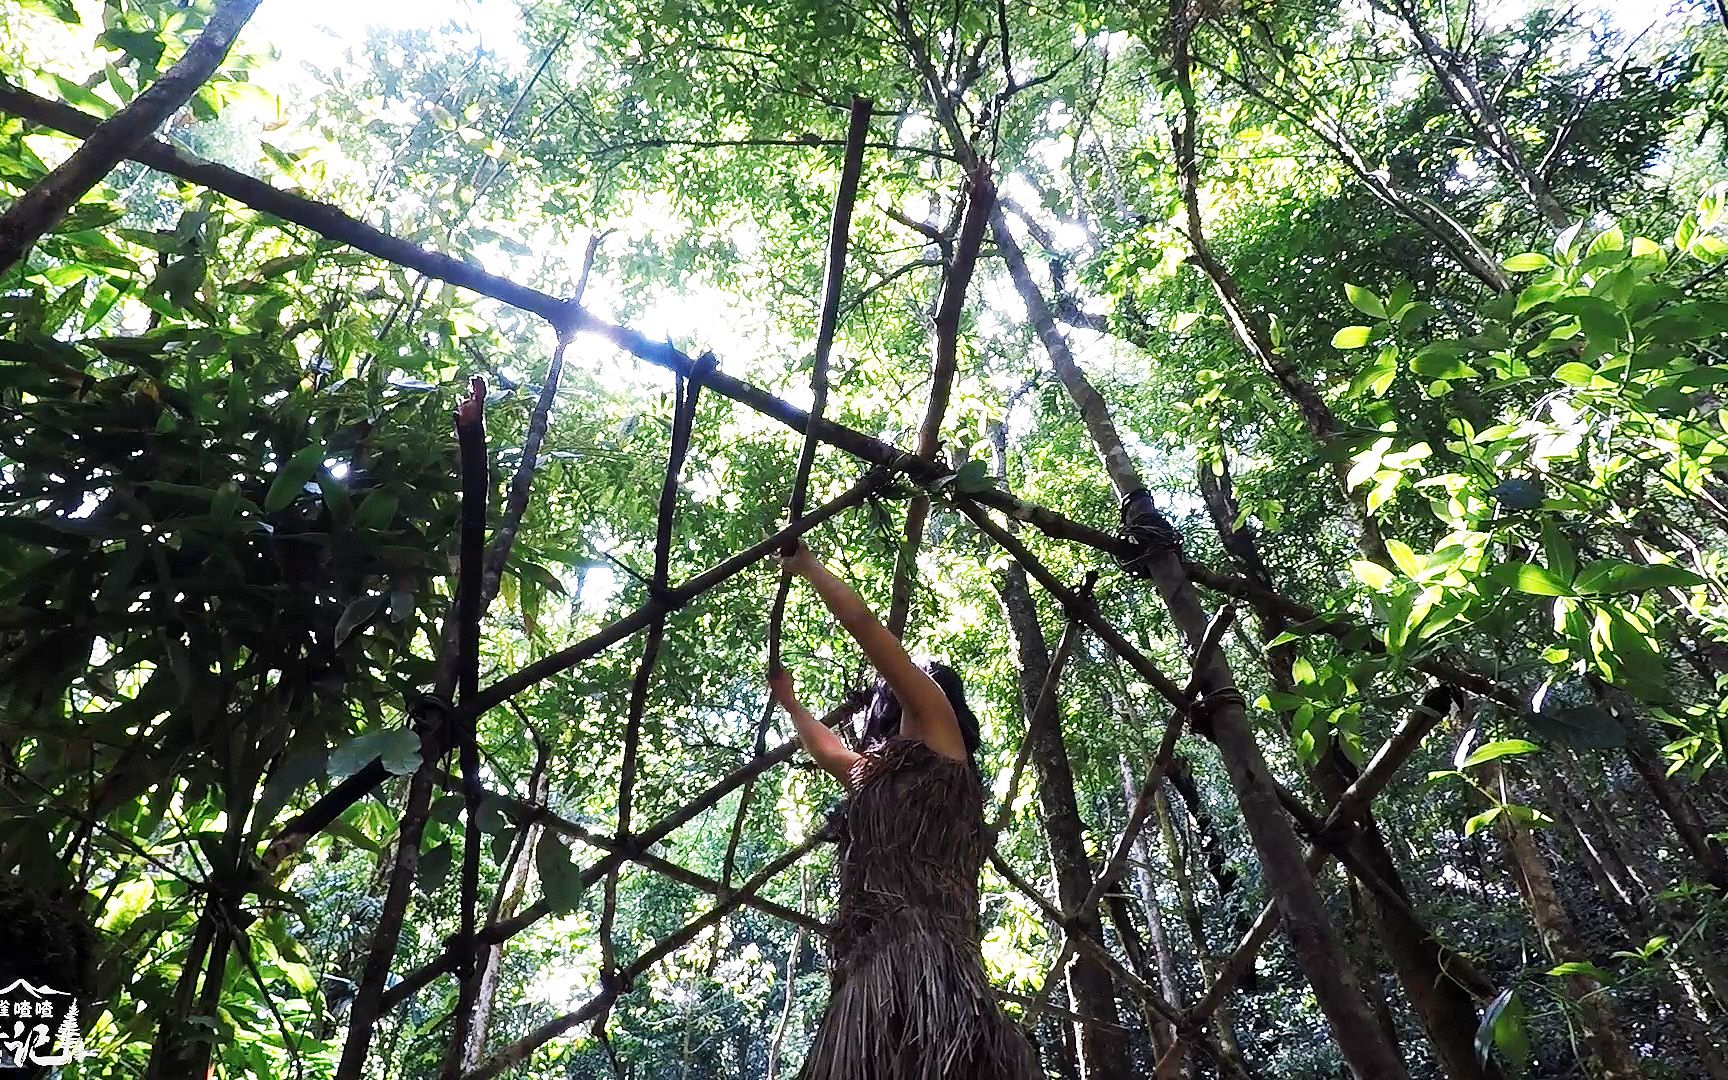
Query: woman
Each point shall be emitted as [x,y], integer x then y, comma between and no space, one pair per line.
[909,1000]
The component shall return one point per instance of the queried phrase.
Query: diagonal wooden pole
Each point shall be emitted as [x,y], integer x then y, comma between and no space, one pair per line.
[326,809]
[827,326]
[517,1052]
[685,396]
[1373,780]
[567,317]
[1069,641]
[693,808]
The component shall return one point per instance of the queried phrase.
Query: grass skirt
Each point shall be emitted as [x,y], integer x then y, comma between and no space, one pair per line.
[910,999]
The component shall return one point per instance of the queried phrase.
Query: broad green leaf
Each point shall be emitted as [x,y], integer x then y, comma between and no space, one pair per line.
[1530,260]
[292,478]
[398,749]
[357,614]
[1371,574]
[434,868]
[1436,364]
[1602,321]
[1576,374]
[1580,967]
[1482,821]
[1407,560]
[1365,301]
[1610,577]
[1561,558]
[1352,337]
[1529,578]
[376,510]
[560,880]
[1498,749]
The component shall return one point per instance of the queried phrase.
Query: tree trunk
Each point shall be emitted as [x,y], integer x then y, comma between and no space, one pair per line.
[1688,823]
[1603,1037]
[1225,1028]
[505,904]
[1148,895]
[1103,1052]
[1315,940]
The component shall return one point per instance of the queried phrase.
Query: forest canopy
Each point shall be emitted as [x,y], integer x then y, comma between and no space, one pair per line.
[1297,422]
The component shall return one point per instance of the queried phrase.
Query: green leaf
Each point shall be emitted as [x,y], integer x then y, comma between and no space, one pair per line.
[1584,727]
[1371,574]
[1407,560]
[434,868]
[1530,260]
[1377,376]
[1561,559]
[1498,749]
[1610,577]
[356,615]
[1482,821]
[1563,242]
[1438,364]
[376,510]
[1602,321]
[1528,578]
[1575,374]
[64,10]
[973,477]
[560,880]
[1365,301]
[295,772]
[1511,1034]
[1579,967]
[398,749]
[293,477]
[1352,337]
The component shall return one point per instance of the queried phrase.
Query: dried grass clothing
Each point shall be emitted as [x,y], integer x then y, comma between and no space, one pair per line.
[910,1000]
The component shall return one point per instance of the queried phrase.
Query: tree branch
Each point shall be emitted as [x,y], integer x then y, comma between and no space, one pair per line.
[110,142]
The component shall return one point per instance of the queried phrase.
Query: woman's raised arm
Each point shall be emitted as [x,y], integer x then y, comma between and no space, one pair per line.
[926,714]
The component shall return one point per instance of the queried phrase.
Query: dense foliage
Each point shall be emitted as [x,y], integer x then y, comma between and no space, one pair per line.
[1412,320]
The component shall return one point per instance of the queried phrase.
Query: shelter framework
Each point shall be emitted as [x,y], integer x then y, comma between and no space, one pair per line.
[440,720]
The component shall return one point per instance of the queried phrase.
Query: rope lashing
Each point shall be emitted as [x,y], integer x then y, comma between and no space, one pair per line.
[1206,704]
[1146,531]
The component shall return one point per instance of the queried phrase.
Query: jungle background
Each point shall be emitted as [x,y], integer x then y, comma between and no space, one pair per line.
[1409,315]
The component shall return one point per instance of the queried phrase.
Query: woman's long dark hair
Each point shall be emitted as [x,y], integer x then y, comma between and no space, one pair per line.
[882,714]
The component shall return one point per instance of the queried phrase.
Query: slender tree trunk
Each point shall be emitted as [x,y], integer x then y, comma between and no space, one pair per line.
[508,899]
[1604,1038]
[786,1008]
[1206,837]
[363,1014]
[1103,1052]
[1613,880]
[1648,885]
[1360,938]
[1682,814]
[1148,895]
[1225,1027]
[1477,110]
[1318,948]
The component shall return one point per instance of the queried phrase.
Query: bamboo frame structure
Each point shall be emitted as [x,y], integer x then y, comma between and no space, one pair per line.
[569,318]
